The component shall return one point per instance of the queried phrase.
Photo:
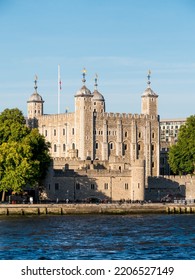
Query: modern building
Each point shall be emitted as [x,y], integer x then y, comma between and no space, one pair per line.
[169,129]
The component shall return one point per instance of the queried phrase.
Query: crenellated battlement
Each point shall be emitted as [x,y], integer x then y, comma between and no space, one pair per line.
[128,116]
[57,117]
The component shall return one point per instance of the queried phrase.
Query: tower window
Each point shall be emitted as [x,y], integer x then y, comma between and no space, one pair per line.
[126,186]
[55,148]
[78,187]
[73,131]
[63,131]
[45,132]
[64,147]
[54,132]
[111,145]
[96,145]
[106,186]
[56,186]
[92,187]
[126,134]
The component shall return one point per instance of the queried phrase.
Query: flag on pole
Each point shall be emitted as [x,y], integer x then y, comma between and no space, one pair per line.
[60,83]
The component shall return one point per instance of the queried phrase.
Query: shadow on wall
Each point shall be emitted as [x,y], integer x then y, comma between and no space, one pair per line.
[161,187]
[76,187]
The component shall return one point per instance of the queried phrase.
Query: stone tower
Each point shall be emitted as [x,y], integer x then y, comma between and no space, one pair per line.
[84,121]
[149,100]
[34,106]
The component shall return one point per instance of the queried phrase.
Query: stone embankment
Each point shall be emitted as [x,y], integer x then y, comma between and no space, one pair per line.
[77,209]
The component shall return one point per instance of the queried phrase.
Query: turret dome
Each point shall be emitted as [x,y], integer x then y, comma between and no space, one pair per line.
[83,91]
[149,92]
[35,97]
[97,96]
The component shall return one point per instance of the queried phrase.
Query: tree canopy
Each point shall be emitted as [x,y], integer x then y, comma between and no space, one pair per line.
[182,154]
[24,154]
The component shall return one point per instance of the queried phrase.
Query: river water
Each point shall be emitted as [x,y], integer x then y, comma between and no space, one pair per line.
[99,237]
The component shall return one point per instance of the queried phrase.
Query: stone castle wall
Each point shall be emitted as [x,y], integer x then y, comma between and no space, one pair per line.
[79,180]
[159,187]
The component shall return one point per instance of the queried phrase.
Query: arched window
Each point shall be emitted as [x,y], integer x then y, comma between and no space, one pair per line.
[111,146]
[55,148]
[73,146]
[96,145]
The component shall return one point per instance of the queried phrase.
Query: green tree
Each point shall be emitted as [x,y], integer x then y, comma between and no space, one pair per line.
[182,154]
[24,154]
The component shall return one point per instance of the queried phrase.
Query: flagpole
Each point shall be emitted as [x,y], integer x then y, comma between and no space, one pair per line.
[59,88]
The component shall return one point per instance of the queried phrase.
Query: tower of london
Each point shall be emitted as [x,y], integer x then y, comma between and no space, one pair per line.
[98,154]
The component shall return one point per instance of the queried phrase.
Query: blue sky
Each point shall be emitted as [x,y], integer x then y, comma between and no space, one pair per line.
[118,40]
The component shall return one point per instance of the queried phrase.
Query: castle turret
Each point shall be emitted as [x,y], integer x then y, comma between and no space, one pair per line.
[84,121]
[35,104]
[149,100]
[98,99]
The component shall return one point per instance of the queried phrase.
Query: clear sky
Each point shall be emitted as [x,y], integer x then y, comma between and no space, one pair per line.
[118,40]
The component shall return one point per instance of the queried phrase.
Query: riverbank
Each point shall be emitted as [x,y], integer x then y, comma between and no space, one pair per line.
[67,209]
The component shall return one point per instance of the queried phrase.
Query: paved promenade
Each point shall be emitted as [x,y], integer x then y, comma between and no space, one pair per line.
[66,209]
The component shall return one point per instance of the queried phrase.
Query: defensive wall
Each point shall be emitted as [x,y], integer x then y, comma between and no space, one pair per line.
[104,209]
[159,187]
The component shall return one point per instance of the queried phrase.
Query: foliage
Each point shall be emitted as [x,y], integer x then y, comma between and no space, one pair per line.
[182,154]
[24,154]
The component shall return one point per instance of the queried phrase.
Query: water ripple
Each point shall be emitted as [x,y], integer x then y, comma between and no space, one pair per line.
[98,237]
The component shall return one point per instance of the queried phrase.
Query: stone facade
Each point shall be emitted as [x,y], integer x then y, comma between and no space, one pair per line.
[178,186]
[123,149]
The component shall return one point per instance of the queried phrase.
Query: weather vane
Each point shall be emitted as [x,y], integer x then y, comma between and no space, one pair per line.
[96,79]
[35,81]
[149,74]
[84,75]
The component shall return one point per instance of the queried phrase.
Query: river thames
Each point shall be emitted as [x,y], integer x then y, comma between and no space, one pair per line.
[98,237]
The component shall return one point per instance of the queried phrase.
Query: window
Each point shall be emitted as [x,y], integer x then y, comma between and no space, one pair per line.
[126,134]
[106,186]
[63,131]
[92,187]
[152,134]
[126,186]
[72,131]
[64,147]
[54,132]
[55,148]
[78,187]
[45,132]
[56,186]
[73,146]
[125,146]
[111,145]
[96,145]
[139,135]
